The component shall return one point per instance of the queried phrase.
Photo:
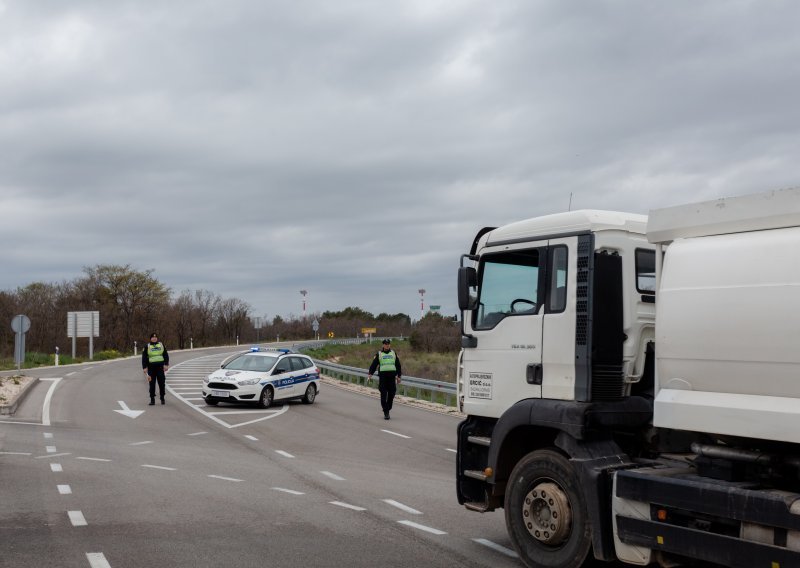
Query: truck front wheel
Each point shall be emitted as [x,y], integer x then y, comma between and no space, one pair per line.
[546,512]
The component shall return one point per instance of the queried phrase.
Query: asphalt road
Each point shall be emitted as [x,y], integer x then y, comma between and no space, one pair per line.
[327,484]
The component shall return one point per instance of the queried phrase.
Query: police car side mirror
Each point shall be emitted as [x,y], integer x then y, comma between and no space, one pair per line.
[279,371]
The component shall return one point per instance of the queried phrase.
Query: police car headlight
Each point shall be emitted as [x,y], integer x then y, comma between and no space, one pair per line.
[248,382]
[206,379]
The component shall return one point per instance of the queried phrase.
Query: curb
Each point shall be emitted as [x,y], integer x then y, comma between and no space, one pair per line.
[11,408]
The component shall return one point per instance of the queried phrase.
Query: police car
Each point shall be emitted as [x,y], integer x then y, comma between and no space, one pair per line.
[263,376]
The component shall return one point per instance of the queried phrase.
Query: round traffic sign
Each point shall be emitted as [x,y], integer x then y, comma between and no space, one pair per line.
[20,324]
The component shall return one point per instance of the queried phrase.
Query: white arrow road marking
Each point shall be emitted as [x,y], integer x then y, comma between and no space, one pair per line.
[127,411]
[497,547]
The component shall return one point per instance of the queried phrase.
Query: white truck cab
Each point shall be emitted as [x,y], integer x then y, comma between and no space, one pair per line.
[632,384]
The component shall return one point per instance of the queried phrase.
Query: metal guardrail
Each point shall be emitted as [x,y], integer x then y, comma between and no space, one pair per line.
[426,389]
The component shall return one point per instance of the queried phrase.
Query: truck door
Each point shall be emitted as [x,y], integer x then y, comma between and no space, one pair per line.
[506,364]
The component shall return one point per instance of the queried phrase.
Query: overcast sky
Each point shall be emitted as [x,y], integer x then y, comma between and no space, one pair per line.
[354,148]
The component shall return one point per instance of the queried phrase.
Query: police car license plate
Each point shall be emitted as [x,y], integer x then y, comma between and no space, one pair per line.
[220,393]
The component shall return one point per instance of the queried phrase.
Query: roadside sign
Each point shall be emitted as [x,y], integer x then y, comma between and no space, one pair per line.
[369,330]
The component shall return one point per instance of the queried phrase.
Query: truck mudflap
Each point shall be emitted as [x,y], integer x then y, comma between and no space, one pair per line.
[733,524]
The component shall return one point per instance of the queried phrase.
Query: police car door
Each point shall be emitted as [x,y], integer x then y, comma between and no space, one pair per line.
[282,378]
[299,373]
[506,364]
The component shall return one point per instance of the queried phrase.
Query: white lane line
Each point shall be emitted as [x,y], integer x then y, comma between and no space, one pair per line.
[140,443]
[50,449]
[65,490]
[289,491]
[332,475]
[47,398]
[223,478]
[249,437]
[494,546]
[48,435]
[402,507]
[159,467]
[15,453]
[284,454]
[93,459]
[52,456]
[70,374]
[197,433]
[451,450]
[347,506]
[97,560]
[421,527]
[77,519]
[396,434]
[56,467]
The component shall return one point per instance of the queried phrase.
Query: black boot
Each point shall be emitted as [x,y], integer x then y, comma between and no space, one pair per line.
[152,402]
[162,400]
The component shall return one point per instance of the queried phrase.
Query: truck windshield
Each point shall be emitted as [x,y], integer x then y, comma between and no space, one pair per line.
[508,286]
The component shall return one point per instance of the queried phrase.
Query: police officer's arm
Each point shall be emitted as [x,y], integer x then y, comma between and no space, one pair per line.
[373,367]
[166,357]
[145,361]
[399,369]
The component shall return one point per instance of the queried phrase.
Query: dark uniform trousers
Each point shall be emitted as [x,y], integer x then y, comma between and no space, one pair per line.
[387,385]
[156,373]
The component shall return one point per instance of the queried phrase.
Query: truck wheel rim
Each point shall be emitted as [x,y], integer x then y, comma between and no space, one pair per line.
[547,514]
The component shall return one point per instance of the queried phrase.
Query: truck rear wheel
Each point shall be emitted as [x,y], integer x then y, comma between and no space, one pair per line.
[546,512]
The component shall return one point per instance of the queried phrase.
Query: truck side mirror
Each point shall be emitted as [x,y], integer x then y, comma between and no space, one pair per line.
[467,279]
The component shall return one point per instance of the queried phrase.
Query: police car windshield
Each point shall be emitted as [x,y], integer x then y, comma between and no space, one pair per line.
[247,362]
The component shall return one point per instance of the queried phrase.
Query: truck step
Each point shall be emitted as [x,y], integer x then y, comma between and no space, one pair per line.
[480,440]
[479,507]
[475,474]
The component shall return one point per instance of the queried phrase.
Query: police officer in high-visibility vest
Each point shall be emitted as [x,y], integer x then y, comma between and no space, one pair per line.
[387,363]
[155,361]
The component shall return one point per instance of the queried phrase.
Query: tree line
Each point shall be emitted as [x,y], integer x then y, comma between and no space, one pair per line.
[134,303]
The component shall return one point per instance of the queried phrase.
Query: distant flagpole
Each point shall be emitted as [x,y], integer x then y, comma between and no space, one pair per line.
[570,202]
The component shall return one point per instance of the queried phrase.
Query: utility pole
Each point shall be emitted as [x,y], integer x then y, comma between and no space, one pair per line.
[304,292]
[421,303]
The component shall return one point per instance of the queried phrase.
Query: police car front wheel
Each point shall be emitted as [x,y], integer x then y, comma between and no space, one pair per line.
[267,395]
[210,402]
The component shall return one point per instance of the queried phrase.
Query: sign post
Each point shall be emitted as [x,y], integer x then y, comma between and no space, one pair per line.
[20,324]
